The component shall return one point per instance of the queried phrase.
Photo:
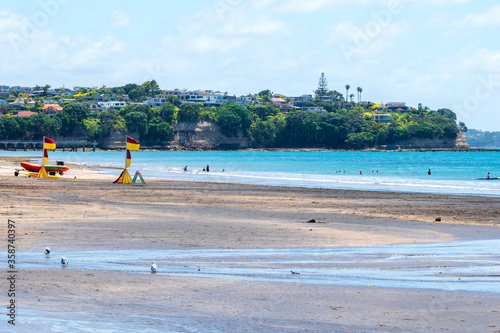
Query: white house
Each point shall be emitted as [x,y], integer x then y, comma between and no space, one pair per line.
[112,104]
[213,100]
[318,109]
[94,108]
[155,102]
[4,88]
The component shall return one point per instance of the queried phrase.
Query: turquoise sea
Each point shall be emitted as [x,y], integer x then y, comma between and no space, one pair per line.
[451,172]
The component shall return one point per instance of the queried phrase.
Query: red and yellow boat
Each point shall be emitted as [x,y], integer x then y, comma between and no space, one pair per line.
[60,168]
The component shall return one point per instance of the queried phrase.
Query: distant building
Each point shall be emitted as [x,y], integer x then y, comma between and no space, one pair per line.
[155,102]
[24,114]
[4,88]
[366,105]
[298,101]
[112,104]
[2,102]
[6,94]
[318,109]
[397,107]
[94,108]
[347,105]
[21,103]
[382,118]
[51,109]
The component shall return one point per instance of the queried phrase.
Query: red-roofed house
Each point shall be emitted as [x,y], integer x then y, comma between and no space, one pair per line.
[24,114]
[51,109]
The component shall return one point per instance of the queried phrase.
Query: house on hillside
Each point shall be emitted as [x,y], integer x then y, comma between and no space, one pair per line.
[21,103]
[155,102]
[366,105]
[2,102]
[347,105]
[112,105]
[94,108]
[298,101]
[17,89]
[51,109]
[382,118]
[397,107]
[4,88]
[318,109]
[6,94]
[24,114]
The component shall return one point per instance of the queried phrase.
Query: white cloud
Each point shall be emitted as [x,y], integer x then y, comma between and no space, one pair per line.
[446,3]
[242,23]
[482,60]
[119,19]
[205,44]
[314,6]
[491,17]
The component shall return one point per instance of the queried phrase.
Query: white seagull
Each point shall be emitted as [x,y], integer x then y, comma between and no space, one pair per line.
[47,250]
[64,261]
[154,267]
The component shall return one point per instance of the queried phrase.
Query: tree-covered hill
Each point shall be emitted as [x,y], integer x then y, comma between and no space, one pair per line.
[265,125]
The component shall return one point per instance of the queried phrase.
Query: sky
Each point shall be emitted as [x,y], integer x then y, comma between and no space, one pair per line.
[441,53]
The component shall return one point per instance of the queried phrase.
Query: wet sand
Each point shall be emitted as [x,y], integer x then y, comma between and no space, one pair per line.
[92,213]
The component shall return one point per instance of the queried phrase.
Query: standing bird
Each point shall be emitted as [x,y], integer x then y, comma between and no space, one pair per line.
[64,261]
[47,250]
[154,267]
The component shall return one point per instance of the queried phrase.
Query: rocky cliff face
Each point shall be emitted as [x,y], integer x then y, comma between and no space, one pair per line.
[459,144]
[204,135]
[207,135]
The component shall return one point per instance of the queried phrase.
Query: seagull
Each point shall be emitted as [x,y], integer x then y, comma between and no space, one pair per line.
[47,250]
[64,261]
[154,267]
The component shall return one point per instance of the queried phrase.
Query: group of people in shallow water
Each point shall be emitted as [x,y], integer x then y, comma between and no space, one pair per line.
[205,169]
[360,171]
[488,176]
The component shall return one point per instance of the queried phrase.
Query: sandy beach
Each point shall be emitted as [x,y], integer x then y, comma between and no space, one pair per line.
[92,213]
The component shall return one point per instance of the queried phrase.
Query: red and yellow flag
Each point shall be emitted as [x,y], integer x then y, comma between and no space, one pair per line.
[48,143]
[132,144]
[129,159]
[45,157]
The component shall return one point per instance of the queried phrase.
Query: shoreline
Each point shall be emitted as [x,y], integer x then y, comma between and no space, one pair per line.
[305,150]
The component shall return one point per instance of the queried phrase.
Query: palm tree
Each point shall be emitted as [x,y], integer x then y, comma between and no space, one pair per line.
[347,92]
[351,96]
[360,90]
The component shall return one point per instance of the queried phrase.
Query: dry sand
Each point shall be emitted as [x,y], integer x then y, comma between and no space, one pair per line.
[93,213]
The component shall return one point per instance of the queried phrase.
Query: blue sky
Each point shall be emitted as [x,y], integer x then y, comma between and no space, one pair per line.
[441,53]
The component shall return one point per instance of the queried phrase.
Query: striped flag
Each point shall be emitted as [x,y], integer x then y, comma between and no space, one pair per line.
[45,157]
[48,143]
[129,159]
[132,144]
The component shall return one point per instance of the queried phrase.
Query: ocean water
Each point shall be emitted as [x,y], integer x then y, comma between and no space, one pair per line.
[459,173]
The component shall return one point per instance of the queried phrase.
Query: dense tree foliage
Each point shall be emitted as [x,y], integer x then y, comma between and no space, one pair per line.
[263,124]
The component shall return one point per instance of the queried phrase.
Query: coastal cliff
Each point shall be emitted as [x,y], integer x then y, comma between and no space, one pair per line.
[205,135]
[417,143]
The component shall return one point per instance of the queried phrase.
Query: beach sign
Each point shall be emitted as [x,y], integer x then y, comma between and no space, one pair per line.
[42,173]
[138,174]
[124,178]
